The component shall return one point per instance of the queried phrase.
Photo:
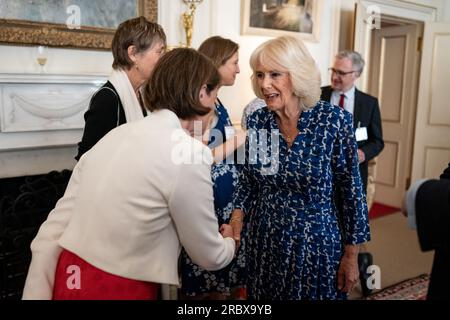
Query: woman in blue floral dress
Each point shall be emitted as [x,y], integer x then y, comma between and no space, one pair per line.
[195,281]
[298,150]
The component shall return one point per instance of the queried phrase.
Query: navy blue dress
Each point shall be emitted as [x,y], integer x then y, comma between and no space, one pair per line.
[295,238]
[194,279]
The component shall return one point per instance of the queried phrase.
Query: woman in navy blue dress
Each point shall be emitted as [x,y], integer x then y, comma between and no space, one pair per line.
[195,281]
[298,150]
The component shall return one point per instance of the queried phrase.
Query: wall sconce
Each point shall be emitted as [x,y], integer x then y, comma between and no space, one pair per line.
[188,19]
[41,56]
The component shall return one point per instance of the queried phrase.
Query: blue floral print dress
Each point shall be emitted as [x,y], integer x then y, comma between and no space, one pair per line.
[194,279]
[295,238]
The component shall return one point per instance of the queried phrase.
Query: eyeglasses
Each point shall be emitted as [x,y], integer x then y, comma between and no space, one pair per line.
[340,73]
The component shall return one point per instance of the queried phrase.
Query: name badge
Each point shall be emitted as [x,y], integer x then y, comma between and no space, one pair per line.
[229,132]
[361,134]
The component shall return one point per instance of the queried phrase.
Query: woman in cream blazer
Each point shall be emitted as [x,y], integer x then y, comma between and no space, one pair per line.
[143,190]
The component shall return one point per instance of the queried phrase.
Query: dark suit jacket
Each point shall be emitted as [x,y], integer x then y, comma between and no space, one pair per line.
[104,114]
[367,113]
[433,225]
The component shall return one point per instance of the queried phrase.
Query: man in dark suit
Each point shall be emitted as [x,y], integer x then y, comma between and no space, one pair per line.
[346,69]
[427,204]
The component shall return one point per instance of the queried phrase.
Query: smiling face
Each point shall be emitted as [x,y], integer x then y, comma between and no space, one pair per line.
[276,87]
[229,70]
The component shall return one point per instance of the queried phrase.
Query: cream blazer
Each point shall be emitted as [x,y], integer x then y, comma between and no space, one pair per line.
[143,191]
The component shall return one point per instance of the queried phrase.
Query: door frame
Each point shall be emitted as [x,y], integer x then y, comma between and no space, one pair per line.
[386,193]
[391,8]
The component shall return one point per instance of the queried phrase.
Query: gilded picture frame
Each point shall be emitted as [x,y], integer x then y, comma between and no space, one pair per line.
[23,32]
[273,18]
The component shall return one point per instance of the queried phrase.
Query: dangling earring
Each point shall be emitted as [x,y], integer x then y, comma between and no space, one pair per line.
[136,65]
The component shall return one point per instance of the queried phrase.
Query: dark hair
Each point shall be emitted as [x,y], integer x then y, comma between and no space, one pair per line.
[138,32]
[177,80]
[218,49]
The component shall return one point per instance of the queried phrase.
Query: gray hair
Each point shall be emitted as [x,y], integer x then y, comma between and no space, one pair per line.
[356,58]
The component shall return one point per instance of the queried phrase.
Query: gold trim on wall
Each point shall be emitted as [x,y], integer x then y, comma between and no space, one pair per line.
[20,32]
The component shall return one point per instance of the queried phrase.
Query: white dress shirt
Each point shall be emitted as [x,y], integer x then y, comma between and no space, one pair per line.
[349,101]
[131,202]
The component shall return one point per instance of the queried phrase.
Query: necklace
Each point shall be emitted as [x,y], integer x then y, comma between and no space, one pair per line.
[289,132]
[290,139]
[289,135]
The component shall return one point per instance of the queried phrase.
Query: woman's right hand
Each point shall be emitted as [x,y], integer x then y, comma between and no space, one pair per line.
[226,231]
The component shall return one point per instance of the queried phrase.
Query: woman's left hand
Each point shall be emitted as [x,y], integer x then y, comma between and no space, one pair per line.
[236,221]
[348,274]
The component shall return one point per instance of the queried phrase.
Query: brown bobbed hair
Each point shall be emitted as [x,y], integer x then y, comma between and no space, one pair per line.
[218,49]
[176,82]
[138,32]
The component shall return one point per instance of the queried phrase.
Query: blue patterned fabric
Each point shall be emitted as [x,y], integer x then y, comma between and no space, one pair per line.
[295,239]
[196,280]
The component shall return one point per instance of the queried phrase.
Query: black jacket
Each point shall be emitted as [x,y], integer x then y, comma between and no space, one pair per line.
[104,114]
[433,224]
[366,114]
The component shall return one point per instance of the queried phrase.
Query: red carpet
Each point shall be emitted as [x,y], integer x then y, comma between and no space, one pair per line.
[380,210]
[412,289]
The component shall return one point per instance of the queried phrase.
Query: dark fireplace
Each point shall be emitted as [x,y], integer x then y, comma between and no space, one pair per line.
[25,203]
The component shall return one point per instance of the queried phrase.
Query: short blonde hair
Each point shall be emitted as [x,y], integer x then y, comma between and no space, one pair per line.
[289,54]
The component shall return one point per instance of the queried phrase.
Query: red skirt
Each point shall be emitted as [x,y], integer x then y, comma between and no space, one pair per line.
[75,279]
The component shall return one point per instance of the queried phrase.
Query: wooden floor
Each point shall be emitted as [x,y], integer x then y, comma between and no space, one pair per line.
[395,249]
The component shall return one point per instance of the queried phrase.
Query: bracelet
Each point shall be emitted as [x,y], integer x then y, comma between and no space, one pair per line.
[236,219]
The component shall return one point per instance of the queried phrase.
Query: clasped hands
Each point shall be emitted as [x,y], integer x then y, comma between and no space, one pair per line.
[234,227]
[232,230]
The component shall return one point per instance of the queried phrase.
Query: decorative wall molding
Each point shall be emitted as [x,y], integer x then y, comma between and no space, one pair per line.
[41,120]
[54,108]
[47,102]
[12,78]
[41,111]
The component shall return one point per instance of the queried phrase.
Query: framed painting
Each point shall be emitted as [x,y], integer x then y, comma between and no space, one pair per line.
[281,17]
[84,24]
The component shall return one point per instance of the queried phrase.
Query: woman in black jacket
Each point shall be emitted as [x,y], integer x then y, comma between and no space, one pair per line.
[137,46]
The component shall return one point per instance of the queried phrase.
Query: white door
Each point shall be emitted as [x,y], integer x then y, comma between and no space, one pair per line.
[393,78]
[432,135]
